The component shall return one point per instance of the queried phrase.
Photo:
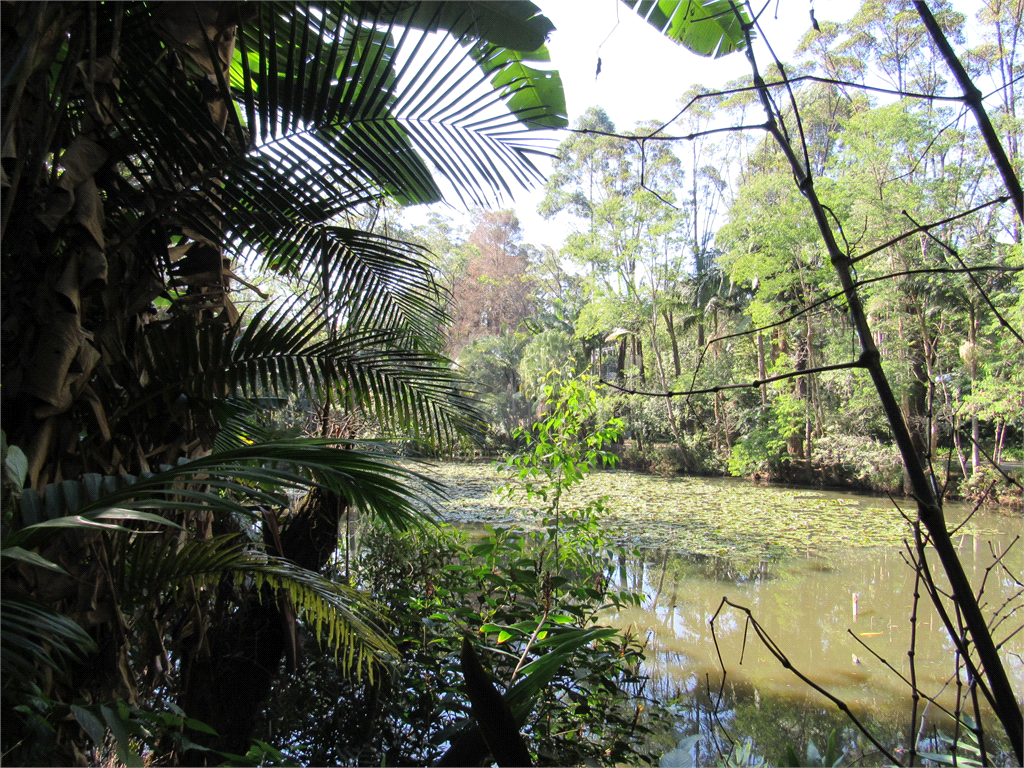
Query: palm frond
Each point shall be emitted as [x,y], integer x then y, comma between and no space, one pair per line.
[338,615]
[240,426]
[34,637]
[366,279]
[384,89]
[342,107]
[278,353]
[236,480]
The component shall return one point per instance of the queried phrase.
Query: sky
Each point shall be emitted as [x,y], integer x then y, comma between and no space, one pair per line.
[643,73]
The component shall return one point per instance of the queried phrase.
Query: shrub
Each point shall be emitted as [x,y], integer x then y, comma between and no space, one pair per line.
[668,460]
[988,485]
[865,460]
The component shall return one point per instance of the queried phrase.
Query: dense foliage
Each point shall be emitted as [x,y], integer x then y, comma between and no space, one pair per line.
[697,265]
[171,553]
[168,543]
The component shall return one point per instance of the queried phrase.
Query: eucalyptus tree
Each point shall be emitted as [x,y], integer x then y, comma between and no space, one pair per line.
[148,150]
[886,36]
[618,194]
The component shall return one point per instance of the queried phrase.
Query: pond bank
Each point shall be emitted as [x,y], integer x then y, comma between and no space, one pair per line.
[991,488]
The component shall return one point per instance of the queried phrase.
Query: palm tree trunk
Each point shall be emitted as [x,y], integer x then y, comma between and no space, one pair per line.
[226,684]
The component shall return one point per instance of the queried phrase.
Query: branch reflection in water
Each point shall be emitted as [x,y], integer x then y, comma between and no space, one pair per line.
[815,610]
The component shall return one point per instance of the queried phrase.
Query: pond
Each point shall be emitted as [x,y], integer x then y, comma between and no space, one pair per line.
[823,573]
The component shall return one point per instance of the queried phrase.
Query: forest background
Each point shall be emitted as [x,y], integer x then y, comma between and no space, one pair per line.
[692,265]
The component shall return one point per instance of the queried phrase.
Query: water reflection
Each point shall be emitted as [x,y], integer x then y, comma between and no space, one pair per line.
[839,621]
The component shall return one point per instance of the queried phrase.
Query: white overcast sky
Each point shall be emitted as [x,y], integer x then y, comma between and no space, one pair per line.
[643,73]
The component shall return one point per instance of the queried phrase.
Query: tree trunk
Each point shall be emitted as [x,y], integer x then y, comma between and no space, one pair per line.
[640,359]
[762,369]
[665,388]
[972,367]
[226,684]
[809,391]
[670,325]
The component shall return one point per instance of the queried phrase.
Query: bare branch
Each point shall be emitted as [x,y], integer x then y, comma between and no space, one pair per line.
[972,97]
[723,387]
[953,252]
[939,271]
[926,227]
[654,137]
[781,657]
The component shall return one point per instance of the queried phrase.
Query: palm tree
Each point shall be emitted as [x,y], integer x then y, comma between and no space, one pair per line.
[150,152]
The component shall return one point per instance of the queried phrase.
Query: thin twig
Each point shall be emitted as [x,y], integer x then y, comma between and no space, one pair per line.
[984,294]
[781,657]
[926,227]
[529,644]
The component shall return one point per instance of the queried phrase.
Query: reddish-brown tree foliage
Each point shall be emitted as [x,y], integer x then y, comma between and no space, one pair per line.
[495,294]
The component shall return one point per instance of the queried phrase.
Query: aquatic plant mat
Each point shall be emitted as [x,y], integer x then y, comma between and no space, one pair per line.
[725,518]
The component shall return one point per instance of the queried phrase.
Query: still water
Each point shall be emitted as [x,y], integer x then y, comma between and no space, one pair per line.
[842,621]
[823,573]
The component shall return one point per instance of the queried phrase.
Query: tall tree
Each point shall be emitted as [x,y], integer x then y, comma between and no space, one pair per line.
[494,295]
[788,136]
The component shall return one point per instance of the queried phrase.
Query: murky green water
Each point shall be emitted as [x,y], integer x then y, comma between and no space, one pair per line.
[824,574]
[842,621]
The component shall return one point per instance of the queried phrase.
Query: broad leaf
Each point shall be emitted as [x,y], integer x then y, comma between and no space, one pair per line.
[706,27]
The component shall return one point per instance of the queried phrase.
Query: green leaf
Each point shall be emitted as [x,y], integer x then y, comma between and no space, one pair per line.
[15,467]
[791,758]
[198,725]
[90,724]
[338,615]
[34,636]
[125,752]
[513,24]
[682,755]
[534,95]
[813,756]
[31,534]
[706,27]
[941,759]
[17,553]
[491,711]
